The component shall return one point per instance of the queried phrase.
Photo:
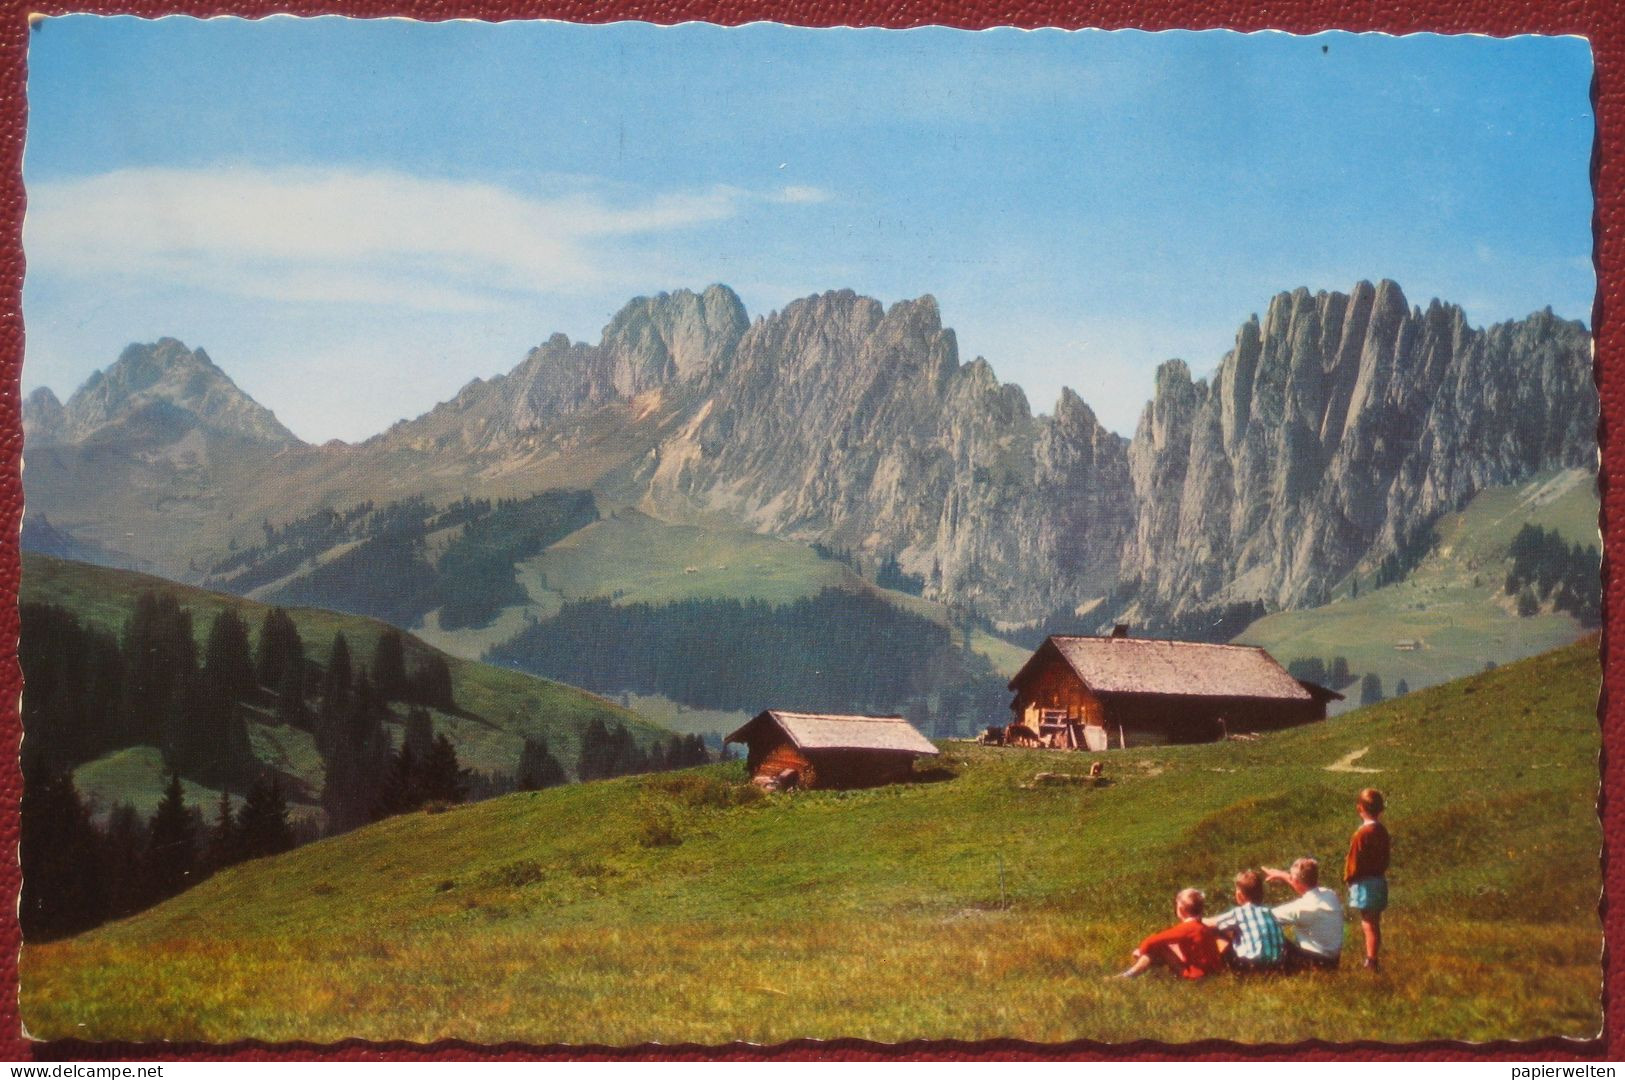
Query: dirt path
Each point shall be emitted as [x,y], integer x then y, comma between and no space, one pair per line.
[1346,762]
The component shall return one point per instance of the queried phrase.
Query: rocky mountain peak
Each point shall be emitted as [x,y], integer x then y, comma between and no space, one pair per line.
[162,391]
[680,336]
[1336,427]
[44,418]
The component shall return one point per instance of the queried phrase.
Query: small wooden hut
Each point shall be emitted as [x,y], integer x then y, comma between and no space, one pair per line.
[1092,692]
[831,751]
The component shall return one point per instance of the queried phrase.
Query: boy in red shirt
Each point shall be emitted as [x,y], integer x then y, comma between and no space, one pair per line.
[1365,871]
[1190,948]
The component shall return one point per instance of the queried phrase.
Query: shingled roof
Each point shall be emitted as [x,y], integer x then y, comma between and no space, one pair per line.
[828,731]
[1124,665]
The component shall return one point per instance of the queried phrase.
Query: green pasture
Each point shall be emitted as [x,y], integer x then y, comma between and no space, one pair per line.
[975,903]
[1453,602]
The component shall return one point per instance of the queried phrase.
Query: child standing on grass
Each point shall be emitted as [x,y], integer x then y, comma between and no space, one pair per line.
[1366,872]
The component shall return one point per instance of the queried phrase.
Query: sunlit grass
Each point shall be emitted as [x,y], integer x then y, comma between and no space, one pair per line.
[970,907]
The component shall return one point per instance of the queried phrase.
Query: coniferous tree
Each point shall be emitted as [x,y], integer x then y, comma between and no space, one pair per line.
[389,666]
[597,753]
[339,678]
[64,881]
[224,842]
[357,759]
[419,735]
[73,676]
[271,652]
[618,755]
[630,758]
[280,664]
[441,778]
[290,692]
[337,685]
[262,823]
[124,844]
[1402,688]
[227,659]
[538,768]
[430,683]
[1309,669]
[1371,688]
[184,741]
[171,843]
[412,781]
[401,792]
[1340,674]
[160,656]
[206,737]
[1527,604]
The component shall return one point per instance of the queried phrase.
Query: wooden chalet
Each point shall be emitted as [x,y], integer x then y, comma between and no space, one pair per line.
[1090,693]
[814,750]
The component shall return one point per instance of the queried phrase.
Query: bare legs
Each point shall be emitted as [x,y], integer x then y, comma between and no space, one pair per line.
[1171,956]
[1371,924]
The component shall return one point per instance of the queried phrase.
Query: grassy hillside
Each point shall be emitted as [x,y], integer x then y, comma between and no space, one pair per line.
[1453,601]
[975,906]
[633,558]
[497,707]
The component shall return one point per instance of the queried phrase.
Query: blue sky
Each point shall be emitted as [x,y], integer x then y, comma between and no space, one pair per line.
[355,218]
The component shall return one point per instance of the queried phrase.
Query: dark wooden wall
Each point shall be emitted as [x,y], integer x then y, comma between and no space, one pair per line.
[773,752]
[861,768]
[1160,718]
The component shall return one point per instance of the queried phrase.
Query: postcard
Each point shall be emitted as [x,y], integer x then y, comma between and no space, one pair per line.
[625,534]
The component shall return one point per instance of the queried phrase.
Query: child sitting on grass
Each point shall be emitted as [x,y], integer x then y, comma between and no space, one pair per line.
[1257,943]
[1189,948]
[1365,872]
[1315,917]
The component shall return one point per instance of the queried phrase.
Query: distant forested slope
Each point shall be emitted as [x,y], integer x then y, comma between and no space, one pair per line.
[835,652]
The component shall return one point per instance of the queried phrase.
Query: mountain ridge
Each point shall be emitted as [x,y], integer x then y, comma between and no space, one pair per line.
[1332,431]
[154,394]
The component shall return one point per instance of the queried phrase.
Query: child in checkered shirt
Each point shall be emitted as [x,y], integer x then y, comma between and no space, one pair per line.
[1257,942]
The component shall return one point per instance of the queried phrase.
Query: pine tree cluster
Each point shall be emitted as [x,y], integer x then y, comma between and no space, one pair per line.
[1546,568]
[90,692]
[609,750]
[848,652]
[77,874]
[1333,673]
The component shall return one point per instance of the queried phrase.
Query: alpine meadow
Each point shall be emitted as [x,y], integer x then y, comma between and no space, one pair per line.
[897,566]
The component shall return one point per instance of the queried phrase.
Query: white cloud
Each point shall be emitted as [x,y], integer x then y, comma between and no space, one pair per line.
[351,236]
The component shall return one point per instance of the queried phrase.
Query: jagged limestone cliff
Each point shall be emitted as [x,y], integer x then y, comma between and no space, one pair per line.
[1335,429]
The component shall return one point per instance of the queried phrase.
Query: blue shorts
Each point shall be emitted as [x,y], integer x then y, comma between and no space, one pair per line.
[1369,894]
